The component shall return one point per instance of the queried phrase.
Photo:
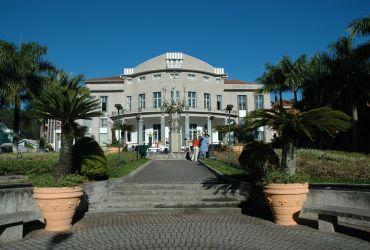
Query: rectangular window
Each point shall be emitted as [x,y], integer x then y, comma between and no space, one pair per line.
[129,136]
[206,78]
[207,100]
[156,133]
[242,102]
[218,80]
[192,131]
[157,99]
[103,103]
[191,76]
[259,134]
[192,99]
[174,76]
[129,81]
[219,102]
[129,103]
[157,76]
[103,126]
[258,101]
[141,78]
[175,98]
[142,101]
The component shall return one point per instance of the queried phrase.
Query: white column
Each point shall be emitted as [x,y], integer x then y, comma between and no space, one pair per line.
[163,129]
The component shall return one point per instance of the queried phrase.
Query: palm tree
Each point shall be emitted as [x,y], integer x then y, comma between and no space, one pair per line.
[66,100]
[295,73]
[21,74]
[273,80]
[292,123]
[123,128]
[360,26]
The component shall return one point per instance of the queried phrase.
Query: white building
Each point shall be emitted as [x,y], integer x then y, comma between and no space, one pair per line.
[142,90]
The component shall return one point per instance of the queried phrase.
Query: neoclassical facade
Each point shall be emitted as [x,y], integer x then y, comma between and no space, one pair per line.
[204,90]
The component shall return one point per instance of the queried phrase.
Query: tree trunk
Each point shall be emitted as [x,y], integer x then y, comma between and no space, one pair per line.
[288,156]
[42,137]
[355,126]
[65,155]
[16,123]
[281,99]
[354,118]
[295,97]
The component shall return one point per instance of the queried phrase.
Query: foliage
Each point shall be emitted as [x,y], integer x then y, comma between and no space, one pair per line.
[65,99]
[292,123]
[22,72]
[49,180]
[28,164]
[89,159]
[277,176]
[257,158]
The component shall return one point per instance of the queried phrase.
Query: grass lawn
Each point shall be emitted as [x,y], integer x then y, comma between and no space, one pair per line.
[223,167]
[323,166]
[124,168]
[12,168]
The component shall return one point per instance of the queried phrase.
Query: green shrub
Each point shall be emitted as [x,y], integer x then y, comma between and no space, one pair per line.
[89,159]
[28,164]
[257,158]
[48,180]
[277,176]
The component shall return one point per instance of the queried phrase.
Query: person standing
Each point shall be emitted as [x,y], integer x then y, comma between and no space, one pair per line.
[203,146]
[196,144]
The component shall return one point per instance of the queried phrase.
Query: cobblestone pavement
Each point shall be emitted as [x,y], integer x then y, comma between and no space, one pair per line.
[193,231]
[172,171]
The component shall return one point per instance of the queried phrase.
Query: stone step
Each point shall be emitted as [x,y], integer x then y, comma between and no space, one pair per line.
[134,198]
[167,186]
[169,192]
[184,210]
[160,204]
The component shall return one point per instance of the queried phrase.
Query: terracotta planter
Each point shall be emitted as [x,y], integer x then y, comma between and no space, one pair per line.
[58,206]
[285,201]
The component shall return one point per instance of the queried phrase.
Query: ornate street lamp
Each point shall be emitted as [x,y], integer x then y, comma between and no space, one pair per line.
[229,107]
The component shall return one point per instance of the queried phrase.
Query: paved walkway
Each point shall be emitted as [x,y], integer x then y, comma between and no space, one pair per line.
[171,171]
[182,231]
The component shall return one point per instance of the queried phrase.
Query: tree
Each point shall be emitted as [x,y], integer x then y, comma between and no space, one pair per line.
[238,131]
[123,127]
[273,80]
[292,123]
[66,100]
[295,73]
[360,26]
[21,74]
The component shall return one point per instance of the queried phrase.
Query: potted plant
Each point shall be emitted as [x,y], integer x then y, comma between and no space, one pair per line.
[284,183]
[66,100]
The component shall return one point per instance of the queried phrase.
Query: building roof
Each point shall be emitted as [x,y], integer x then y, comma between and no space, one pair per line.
[236,82]
[106,79]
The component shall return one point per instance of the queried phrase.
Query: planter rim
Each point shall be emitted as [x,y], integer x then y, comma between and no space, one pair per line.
[57,189]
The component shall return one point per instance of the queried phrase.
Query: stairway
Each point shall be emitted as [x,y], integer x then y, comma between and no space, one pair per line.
[134,197]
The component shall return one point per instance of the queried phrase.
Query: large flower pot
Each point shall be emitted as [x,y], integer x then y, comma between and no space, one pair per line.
[58,206]
[285,201]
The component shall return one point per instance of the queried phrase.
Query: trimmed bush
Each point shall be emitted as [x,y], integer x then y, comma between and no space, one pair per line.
[89,159]
[257,158]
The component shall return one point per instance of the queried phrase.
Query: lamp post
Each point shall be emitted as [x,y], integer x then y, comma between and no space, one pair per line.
[137,149]
[229,107]
[118,107]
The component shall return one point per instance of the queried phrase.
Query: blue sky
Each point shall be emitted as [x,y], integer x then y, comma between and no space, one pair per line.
[100,38]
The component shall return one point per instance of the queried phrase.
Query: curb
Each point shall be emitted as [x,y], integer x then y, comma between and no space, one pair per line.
[244,187]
